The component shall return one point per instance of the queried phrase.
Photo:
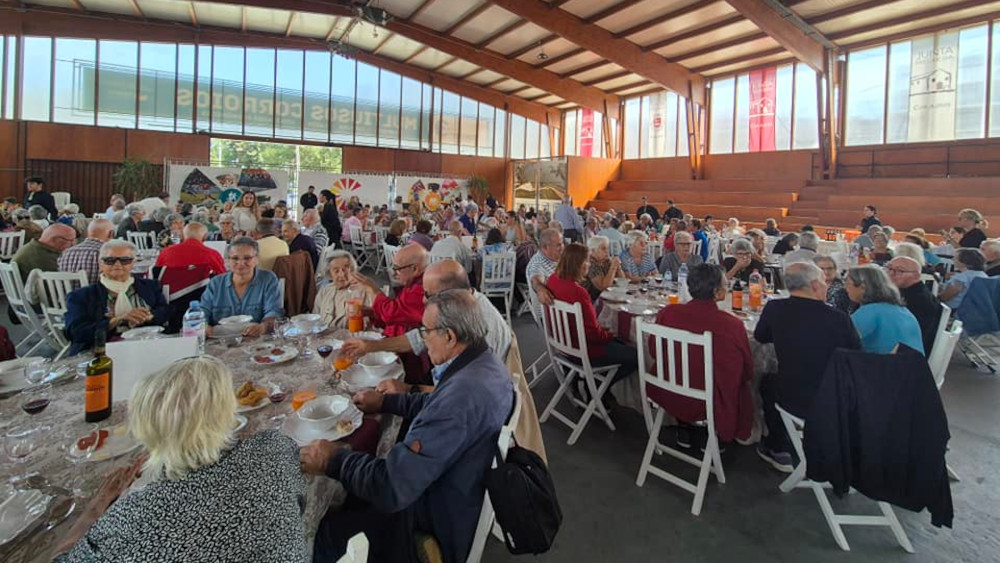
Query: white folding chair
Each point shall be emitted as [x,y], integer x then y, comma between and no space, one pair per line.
[363,251]
[388,253]
[10,243]
[543,362]
[696,248]
[281,291]
[932,286]
[141,240]
[944,347]
[524,295]
[10,278]
[714,249]
[357,550]
[380,233]
[56,286]
[498,278]
[486,515]
[435,257]
[567,345]
[797,479]
[676,342]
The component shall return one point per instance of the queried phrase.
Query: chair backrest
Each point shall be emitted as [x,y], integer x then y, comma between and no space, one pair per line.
[655,251]
[653,341]
[10,277]
[931,282]
[61,199]
[498,272]
[184,280]
[389,251]
[696,247]
[380,233]
[563,323]
[10,243]
[57,285]
[141,240]
[356,239]
[434,257]
[281,290]
[714,247]
[615,247]
[944,346]
[357,549]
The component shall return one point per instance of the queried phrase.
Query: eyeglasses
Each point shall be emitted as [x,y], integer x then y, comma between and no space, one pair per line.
[425,330]
[123,260]
[893,270]
[396,268]
[241,258]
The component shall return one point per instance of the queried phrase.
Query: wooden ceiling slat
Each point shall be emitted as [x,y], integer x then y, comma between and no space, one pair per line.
[531,47]
[651,23]
[192,14]
[698,31]
[469,16]
[136,9]
[739,59]
[291,21]
[611,10]
[607,77]
[420,9]
[585,68]
[417,53]
[807,49]
[558,59]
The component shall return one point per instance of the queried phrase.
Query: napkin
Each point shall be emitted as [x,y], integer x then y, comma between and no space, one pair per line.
[135,359]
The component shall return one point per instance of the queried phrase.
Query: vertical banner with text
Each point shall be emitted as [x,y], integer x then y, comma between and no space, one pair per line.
[658,125]
[587,132]
[762,102]
[933,82]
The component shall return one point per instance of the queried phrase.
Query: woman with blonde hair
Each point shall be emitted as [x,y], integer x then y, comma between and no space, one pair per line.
[395,234]
[201,480]
[246,212]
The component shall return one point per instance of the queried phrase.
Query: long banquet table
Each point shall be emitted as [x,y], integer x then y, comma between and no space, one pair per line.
[65,416]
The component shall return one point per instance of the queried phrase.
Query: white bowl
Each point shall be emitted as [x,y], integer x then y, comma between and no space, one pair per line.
[236,320]
[321,413]
[306,318]
[377,363]
[621,283]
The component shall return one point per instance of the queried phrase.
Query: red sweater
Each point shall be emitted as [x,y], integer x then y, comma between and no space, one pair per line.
[403,313]
[191,252]
[732,364]
[572,292]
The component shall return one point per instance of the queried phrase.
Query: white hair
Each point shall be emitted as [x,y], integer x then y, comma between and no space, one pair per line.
[800,275]
[112,244]
[597,241]
[184,416]
[331,254]
[634,237]
[809,240]
[910,250]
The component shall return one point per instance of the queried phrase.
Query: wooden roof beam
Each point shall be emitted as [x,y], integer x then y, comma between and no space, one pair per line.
[602,42]
[540,44]
[801,40]
[192,14]
[136,9]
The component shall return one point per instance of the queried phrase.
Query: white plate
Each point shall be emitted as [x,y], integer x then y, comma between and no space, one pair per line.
[241,423]
[142,333]
[289,353]
[295,428]
[12,374]
[118,443]
[356,378]
[19,511]
[260,404]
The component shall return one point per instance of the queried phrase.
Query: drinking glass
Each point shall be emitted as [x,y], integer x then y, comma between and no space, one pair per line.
[35,399]
[19,443]
[78,455]
[37,370]
[279,328]
[276,394]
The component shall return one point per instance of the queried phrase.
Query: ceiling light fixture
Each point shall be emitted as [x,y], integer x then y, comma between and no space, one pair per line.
[541,56]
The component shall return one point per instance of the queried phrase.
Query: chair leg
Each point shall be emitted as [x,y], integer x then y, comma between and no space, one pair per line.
[647,457]
[597,396]
[720,474]
[896,527]
[563,388]
[951,474]
[831,518]
[706,467]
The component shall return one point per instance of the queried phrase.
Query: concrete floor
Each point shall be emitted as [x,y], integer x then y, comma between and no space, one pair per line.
[606,517]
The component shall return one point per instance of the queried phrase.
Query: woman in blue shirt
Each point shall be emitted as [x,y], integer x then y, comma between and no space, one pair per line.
[882,321]
[699,234]
[636,262]
[969,265]
[244,290]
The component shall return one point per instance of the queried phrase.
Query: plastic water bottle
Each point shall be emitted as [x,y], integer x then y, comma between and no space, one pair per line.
[682,275]
[194,324]
[668,278]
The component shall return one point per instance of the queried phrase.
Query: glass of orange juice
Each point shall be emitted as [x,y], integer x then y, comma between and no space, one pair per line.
[342,361]
[673,299]
[302,397]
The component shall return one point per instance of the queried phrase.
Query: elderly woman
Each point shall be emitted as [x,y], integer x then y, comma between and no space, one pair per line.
[742,263]
[603,267]
[645,223]
[733,228]
[39,215]
[201,480]
[969,265]
[246,212]
[174,231]
[971,220]
[117,303]
[911,250]
[917,238]
[395,235]
[759,240]
[636,262]
[338,287]
[244,290]
[671,262]
[786,244]
[156,221]
[227,229]
[881,253]
[882,320]
[134,213]
[836,294]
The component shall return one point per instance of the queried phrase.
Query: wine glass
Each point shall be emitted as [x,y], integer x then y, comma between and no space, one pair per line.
[79,451]
[277,395]
[280,326]
[37,370]
[19,443]
[35,399]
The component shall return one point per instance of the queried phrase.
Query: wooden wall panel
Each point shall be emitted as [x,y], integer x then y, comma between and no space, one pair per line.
[156,146]
[88,183]
[493,169]
[587,176]
[417,161]
[368,159]
[11,164]
[80,143]
[656,168]
[779,165]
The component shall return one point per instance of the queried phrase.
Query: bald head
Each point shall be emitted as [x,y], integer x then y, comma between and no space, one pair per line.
[455,228]
[58,236]
[195,230]
[444,275]
[310,218]
[409,263]
[101,229]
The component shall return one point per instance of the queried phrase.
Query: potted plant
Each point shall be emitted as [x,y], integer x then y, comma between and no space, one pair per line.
[139,177]
[478,188]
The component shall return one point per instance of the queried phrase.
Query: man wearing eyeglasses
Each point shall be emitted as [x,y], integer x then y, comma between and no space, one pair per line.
[403,312]
[433,480]
[244,290]
[904,272]
[43,254]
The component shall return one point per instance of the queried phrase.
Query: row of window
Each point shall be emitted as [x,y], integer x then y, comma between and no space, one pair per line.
[268,93]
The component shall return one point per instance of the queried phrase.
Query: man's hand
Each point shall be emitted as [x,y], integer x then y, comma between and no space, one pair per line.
[392,387]
[365,283]
[355,347]
[253,329]
[545,296]
[314,457]
[368,401]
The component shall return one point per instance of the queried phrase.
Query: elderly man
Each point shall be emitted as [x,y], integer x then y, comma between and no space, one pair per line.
[403,312]
[905,274]
[84,256]
[543,264]
[311,227]
[991,251]
[134,213]
[432,480]
[468,217]
[192,252]
[298,241]
[808,244]
[453,247]
[805,332]
[111,205]
[244,290]
[569,219]
[39,216]
[671,261]
[156,222]
[43,254]
[865,240]
[271,247]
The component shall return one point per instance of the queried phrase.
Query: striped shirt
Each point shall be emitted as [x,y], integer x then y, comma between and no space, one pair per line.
[83,256]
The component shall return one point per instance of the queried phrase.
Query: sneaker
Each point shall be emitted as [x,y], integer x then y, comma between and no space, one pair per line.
[683,437]
[782,461]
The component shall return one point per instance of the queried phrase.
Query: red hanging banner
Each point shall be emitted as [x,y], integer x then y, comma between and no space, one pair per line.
[586,132]
[762,101]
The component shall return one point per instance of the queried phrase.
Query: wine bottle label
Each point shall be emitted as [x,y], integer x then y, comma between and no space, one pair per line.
[98,395]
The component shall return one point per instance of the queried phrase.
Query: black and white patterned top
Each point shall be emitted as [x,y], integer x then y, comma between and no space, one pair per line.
[245,508]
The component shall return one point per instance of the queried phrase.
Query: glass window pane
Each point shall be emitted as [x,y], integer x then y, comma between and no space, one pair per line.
[970,113]
[342,121]
[449,122]
[721,122]
[865,96]
[157,80]
[546,146]
[516,136]
[572,132]
[317,110]
[9,73]
[227,90]
[742,124]
[76,62]
[531,139]
[289,95]
[486,126]
[470,126]
[259,110]
[670,126]
[185,87]
[204,87]
[116,82]
[412,91]
[632,128]
[425,120]
[598,150]
[367,105]
[35,86]
[682,127]
[645,108]
[388,109]
[806,114]
[995,84]
[899,92]
[783,108]
[500,133]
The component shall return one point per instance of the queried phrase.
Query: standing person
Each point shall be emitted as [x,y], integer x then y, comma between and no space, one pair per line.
[246,212]
[870,218]
[84,256]
[970,220]
[36,195]
[647,208]
[569,219]
[672,212]
[308,200]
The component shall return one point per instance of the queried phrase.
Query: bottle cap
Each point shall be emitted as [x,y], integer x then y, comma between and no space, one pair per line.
[195,303]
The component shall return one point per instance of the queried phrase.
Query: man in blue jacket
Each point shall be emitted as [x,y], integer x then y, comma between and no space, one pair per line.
[432,481]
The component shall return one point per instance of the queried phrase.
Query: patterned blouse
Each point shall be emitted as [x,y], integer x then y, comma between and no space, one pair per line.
[244,508]
[598,269]
[134,299]
[644,268]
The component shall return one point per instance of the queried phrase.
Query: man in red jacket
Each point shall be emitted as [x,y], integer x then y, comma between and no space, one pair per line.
[405,311]
[192,252]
